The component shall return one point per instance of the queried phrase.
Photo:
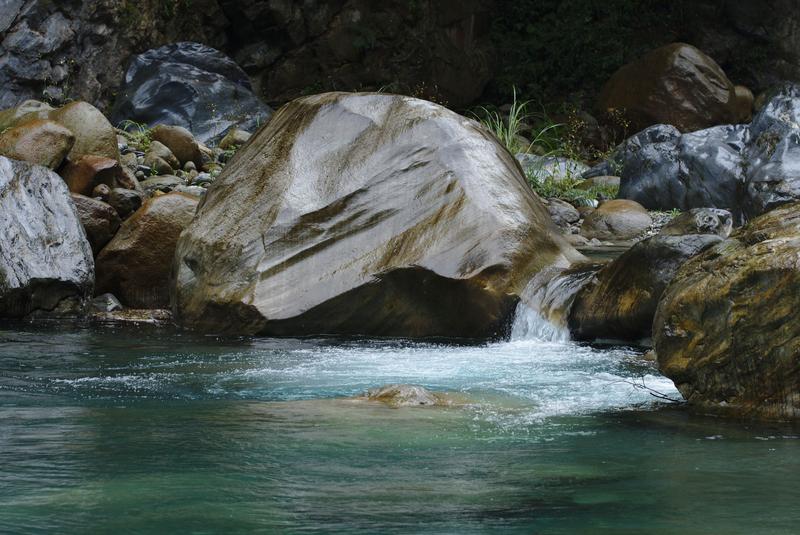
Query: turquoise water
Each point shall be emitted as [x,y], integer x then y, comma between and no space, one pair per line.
[152,431]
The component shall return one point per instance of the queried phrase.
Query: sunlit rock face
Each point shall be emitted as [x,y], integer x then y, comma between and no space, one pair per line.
[365,214]
[727,329]
[46,265]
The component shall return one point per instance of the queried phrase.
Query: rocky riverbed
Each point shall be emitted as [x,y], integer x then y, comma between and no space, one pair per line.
[387,215]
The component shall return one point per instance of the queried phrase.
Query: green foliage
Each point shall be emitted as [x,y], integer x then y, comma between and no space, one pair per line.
[507,129]
[139,135]
[568,189]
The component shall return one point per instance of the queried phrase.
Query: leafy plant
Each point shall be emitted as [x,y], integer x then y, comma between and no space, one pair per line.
[570,189]
[139,134]
[507,129]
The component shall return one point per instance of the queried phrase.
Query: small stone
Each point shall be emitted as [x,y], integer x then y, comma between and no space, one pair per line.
[99,220]
[404,396]
[158,149]
[158,164]
[619,219]
[235,138]
[180,141]
[124,201]
[101,191]
[106,303]
[189,167]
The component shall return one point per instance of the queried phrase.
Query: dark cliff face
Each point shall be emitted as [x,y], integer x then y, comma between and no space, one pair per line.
[445,50]
[61,50]
[71,49]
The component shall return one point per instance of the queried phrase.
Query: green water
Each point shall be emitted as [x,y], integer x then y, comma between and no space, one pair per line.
[146,431]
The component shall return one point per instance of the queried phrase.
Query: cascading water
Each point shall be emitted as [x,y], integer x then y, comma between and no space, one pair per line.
[544,305]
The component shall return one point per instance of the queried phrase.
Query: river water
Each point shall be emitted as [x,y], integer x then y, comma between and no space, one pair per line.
[108,430]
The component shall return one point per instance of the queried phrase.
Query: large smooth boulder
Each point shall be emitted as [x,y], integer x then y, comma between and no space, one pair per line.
[46,265]
[364,214]
[135,265]
[621,300]
[676,84]
[38,142]
[746,169]
[727,331]
[99,220]
[192,86]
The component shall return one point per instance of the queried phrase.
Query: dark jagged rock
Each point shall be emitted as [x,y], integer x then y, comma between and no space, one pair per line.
[746,169]
[78,49]
[46,265]
[727,331]
[192,86]
[364,214]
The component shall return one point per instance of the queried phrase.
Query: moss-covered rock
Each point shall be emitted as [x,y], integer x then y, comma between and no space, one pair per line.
[727,330]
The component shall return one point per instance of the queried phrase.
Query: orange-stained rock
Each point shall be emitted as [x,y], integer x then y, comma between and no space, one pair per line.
[38,142]
[135,266]
[676,84]
[87,172]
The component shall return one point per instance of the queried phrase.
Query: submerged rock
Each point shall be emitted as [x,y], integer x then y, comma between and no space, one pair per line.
[676,84]
[46,265]
[135,265]
[192,86]
[405,396]
[364,214]
[727,331]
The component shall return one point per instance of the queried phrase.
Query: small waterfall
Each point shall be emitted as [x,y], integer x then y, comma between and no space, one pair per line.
[545,303]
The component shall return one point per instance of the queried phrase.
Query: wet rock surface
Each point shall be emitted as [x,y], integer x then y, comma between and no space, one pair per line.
[746,169]
[191,86]
[364,214]
[46,265]
[727,330]
[621,299]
